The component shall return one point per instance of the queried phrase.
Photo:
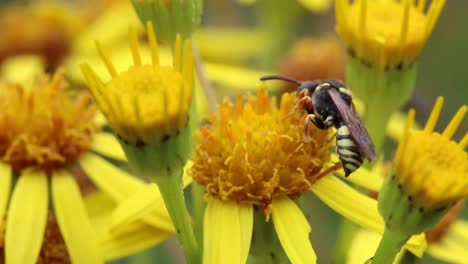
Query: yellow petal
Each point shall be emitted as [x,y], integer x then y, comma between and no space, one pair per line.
[460,228]
[316,5]
[358,208]
[212,42]
[363,245]
[99,207]
[246,2]
[80,237]
[100,119]
[238,77]
[117,183]
[5,188]
[135,237]
[27,217]
[227,232]
[146,203]
[142,237]
[110,28]
[146,199]
[293,231]
[107,144]
[453,247]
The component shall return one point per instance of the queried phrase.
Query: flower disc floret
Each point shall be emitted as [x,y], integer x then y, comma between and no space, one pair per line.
[431,166]
[158,91]
[147,102]
[386,34]
[50,131]
[253,152]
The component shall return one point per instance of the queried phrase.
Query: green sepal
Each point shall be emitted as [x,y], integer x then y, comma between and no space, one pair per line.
[279,18]
[402,214]
[166,157]
[180,17]
[383,91]
[163,162]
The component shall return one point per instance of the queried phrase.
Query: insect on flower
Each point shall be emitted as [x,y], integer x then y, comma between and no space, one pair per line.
[329,103]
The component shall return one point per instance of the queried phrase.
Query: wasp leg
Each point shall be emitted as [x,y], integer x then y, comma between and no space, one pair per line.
[314,119]
[305,103]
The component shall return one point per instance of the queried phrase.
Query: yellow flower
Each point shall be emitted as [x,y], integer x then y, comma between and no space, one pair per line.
[253,155]
[42,136]
[151,109]
[46,30]
[146,102]
[386,34]
[313,5]
[431,167]
[47,137]
[430,175]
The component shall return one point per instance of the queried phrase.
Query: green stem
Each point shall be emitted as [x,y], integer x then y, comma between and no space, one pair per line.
[389,247]
[198,209]
[279,20]
[266,247]
[345,235]
[376,121]
[172,192]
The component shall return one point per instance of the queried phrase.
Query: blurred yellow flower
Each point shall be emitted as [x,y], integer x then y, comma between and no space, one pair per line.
[45,136]
[313,5]
[42,137]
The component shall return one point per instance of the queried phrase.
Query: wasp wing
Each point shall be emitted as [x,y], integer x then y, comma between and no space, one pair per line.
[354,123]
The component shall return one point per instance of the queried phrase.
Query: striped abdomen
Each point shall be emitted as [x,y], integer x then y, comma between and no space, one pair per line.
[348,151]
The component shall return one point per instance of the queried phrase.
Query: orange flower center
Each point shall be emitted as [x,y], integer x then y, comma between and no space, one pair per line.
[41,127]
[253,152]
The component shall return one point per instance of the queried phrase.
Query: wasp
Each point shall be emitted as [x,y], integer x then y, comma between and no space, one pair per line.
[329,103]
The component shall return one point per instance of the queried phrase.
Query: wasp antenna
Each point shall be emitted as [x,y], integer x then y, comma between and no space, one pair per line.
[278,77]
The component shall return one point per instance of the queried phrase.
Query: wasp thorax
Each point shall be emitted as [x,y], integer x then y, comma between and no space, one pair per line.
[40,127]
[254,152]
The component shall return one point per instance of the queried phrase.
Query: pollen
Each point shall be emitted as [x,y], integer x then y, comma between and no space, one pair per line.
[386,34]
[146,102]
[41,127]
[253,151]
[430,166]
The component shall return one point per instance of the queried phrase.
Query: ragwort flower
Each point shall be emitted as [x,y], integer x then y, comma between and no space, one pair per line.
[252,156]
[43,137]
[430,176]
[384,39]
[44,30]
[386,34]
[151,109]
[47,137]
